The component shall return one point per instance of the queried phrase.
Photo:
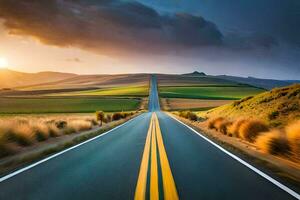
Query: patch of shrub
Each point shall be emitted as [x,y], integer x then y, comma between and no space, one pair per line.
[212,122]
[53,130]
[22,134]
[116,116]
[273,115]
[79,125]
[100,116]
[234,129]
[222,126]
[41,132]
[108,117]
[61,124]
[273,142]
[295,93]
[251,129]
[6,147]
[93,121]
[293,136]
[188,115]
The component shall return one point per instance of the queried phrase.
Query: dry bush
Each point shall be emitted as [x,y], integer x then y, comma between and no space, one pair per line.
[5,145]
[212,122]
[293,136]
[53,130]
[251,129]
[41,131]
[78,125]
[273,142]
[222,126]
[22,134]
[26,131]
[234,129]
[116,116]
[108,117]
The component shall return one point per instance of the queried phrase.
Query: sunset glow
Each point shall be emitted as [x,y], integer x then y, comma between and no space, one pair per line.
[3,62]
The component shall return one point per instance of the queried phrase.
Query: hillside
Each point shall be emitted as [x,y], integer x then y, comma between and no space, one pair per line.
[258,82]
[94,81]
[12,79]
[276,107]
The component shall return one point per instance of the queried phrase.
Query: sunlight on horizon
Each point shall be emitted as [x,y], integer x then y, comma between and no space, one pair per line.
[3,62]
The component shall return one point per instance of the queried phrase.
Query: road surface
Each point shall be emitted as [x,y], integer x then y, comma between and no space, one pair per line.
[152,156]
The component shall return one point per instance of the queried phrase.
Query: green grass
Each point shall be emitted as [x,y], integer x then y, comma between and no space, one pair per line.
[129,91]
[66,105]
[215,92]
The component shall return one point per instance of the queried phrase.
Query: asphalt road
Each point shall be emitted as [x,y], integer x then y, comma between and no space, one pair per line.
[152,156]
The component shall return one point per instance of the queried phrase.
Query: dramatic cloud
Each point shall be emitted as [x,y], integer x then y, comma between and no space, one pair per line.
[107,27]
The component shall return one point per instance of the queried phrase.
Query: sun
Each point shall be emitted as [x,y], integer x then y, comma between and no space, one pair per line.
[3,62]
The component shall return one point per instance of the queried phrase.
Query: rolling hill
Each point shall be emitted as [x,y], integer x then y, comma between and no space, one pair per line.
[276,107]
[13,79]
[195,78]
[94,81]
[259,82]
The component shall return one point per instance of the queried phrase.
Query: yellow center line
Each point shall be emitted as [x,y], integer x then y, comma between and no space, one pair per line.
[154,139]
[170,191]
[140,190]
[154,194]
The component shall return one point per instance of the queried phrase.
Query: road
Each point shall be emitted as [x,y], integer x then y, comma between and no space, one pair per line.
[153,156]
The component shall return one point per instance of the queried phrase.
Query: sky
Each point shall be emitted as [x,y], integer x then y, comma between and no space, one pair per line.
[259,38]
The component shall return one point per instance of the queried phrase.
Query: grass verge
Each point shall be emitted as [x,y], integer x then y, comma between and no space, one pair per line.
[285,169]
[34,153]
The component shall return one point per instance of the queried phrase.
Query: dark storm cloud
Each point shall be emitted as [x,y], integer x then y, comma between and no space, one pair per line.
[107,27]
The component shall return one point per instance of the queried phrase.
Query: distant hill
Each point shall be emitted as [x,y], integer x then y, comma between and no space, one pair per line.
[276,107]
[13,79]
[258,82]
[188,79]
[195,73]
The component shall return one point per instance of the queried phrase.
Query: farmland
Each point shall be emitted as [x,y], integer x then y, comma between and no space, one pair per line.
[30,105]
[196,91]
[209,92]
[79,94]
[128,91]
[191,104]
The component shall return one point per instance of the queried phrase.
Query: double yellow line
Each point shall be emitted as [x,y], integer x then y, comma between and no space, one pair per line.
[154,140]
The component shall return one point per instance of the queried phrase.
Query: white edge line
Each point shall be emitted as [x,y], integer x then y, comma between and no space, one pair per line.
[272,180]
[62,152]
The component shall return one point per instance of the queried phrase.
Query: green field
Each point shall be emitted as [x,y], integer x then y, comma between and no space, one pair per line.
[129,91]
[208,92]
[66,105]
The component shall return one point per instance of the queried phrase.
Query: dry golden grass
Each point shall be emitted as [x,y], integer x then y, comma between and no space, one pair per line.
[273,142]
[80,125]
[223,126]
[293,136]
[251,129]
[234,129]
[212,122]
[179,103]
[277,107]
[16,131]
[25,131]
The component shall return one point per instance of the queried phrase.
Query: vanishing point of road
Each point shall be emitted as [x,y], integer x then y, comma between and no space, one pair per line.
[152,156]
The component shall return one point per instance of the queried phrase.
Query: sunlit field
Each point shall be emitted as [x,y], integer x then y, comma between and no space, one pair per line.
[136,91]
[18,105]
[199,92]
